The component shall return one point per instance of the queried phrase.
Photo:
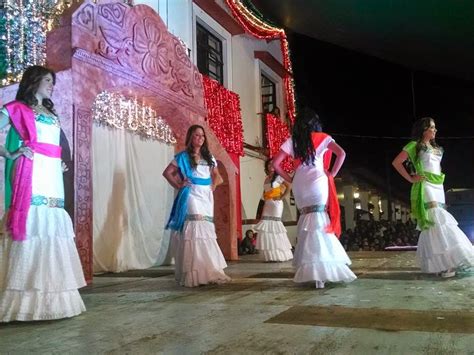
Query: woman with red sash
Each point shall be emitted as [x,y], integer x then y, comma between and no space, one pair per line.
[319,256]
[40,270]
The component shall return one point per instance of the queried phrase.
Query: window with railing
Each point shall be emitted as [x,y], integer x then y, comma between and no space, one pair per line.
[268,89]
[209,54]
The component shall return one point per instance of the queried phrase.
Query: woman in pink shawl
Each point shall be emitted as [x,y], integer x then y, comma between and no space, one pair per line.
[40,270]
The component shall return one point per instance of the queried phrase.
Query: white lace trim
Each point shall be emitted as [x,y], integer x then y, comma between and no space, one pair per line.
[38,305]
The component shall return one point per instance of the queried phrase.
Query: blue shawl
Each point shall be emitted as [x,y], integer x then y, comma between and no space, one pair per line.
[180,204]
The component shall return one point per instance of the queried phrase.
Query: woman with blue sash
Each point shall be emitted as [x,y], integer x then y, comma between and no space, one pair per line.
[442,246]
[198,258]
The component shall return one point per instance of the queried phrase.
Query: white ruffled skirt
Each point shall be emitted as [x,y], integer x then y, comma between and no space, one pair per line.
[272,239]
[443,246]
[198,258]
[40,277]
[319,256]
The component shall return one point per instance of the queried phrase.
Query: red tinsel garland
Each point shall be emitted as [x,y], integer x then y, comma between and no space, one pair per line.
[257,28]
[277,133]
[223,115]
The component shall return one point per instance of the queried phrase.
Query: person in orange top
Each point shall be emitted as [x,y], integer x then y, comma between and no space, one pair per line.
[272,238]
[319,256]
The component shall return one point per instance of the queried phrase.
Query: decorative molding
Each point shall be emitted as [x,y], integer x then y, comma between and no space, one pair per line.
[85,18]
[221,16]
[137,40]
[147,40]
[272,63]
[153,86]
[114,13]
[83,189]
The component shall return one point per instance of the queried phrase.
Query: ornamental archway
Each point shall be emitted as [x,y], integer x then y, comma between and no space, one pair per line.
[128,50]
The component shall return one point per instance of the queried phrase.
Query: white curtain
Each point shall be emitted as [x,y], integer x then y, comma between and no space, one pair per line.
[131,200]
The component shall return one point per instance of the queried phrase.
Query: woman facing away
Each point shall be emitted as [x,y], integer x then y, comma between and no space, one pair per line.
[40,270]
[442,246]
[272,238]
[319,256]
[198,258]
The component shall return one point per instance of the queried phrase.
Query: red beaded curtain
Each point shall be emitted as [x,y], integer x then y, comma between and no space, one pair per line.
[223,115]
[259,29]
[277,133]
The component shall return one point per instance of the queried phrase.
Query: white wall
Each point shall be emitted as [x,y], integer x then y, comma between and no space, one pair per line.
[246,73]
[199,15]
[252,176]
[176,14]
[154,4]
[246,82]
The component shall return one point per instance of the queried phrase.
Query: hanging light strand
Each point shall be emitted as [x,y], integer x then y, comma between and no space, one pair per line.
[115,110]
[23,28]
[260,29]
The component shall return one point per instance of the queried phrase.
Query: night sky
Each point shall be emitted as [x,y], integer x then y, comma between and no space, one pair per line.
[356,94]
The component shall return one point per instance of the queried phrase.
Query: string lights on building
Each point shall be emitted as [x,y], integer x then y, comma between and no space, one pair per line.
[115,110]
[277,133]
[224,116]
[262,30]
[23,28]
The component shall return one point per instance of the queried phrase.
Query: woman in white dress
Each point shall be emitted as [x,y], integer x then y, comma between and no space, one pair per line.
[40,270]
[198,258]
[272,239]
[319,256]
[442,246]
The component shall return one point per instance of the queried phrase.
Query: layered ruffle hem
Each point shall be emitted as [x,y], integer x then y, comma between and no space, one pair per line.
[319,256]
[40,277]
[198,258]
[272,241]
[443,246]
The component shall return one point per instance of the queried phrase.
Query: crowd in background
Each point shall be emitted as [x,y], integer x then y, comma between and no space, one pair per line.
[378,235]
[366,236]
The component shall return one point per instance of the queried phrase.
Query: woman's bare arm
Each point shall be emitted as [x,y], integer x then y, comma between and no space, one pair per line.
[398,165]
[4,122]
[286,187]
[171,174]
[216,178]
[276,161]
[340,157]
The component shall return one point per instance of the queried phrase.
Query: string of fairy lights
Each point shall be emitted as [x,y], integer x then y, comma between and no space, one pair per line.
[23,28]
[259,28]
[117,111]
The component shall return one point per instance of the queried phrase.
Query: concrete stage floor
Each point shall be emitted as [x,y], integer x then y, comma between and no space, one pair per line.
[391,309]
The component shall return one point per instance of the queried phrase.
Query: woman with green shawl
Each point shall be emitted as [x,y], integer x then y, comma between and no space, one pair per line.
[442,246]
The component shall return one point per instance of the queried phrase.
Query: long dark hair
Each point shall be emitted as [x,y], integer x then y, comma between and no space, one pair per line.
[275,175]
[29,85]
[417,130]
[306,123]
[205,153]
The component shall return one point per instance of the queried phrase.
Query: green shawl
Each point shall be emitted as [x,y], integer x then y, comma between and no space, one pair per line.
[12,143]
[417,195]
